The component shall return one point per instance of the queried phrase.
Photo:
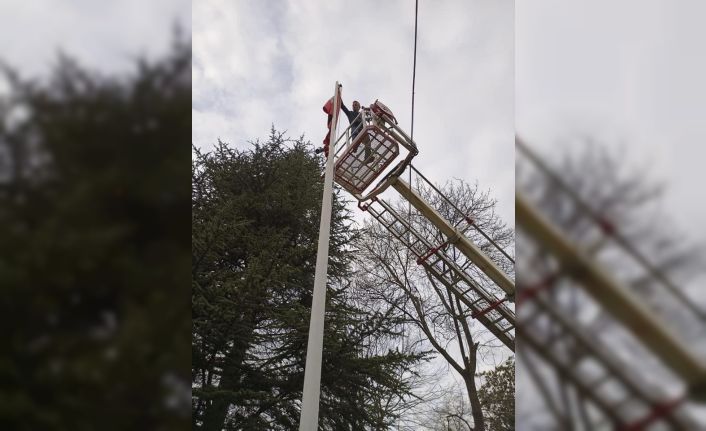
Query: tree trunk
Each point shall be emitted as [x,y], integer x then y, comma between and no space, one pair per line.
[217,411]
[215,415]
[476,409]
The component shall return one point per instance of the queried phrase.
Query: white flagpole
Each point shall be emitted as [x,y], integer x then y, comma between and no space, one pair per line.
[312,372]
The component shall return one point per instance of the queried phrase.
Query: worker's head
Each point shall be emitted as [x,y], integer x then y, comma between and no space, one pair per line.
[356,106]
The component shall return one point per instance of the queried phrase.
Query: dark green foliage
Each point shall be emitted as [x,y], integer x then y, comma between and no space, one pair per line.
[497,395]
[93,251]
[255,226]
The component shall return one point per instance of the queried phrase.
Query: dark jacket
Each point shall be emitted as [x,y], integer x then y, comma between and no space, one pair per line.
[355,119]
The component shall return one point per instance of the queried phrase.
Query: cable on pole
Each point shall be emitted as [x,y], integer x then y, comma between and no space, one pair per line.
[414,79]
[414,65]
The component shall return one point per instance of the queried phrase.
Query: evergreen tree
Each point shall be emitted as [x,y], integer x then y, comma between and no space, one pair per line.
[93,211]
[255,227]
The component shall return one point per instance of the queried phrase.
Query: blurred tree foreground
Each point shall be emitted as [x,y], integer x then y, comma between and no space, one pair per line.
[255,227]
[94,249]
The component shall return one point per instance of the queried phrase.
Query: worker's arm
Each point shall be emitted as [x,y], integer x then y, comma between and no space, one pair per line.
[349,114]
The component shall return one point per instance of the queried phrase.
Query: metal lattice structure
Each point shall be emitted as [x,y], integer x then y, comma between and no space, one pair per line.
[619,397]
[444,249]
[442,262]
[597,367]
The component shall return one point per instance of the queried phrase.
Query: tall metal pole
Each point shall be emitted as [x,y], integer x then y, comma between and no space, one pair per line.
[309,420]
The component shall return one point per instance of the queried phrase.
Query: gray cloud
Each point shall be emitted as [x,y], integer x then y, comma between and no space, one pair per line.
[258,63]
[631,71]
[107,36]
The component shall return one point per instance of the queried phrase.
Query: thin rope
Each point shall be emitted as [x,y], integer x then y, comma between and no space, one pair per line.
[414,66]
[414,79]
[409,210]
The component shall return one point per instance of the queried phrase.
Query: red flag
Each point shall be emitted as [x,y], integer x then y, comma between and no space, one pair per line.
[328,109]
[328,106]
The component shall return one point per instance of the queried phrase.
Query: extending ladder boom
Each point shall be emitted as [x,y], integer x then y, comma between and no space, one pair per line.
[491,311]
[579,316]
[616,299]
[624,399]
[457,238]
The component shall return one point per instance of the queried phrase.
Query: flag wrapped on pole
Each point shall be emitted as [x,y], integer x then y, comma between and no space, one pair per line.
[328,109]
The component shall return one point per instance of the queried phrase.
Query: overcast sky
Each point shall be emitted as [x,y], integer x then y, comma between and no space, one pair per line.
[631,71]
[103,35]
[259,63]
